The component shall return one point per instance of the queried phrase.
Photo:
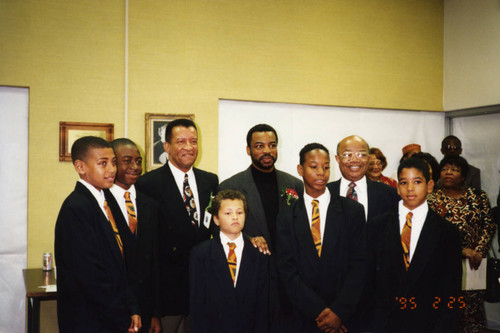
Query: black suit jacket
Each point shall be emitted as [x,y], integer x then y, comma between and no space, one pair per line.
[333,281]
[381,197]
[216,304]
[93,294]
[428,293]
[176,233]
[141,253]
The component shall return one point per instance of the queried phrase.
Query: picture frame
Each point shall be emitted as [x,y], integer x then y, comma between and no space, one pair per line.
[69,132]
[156,124]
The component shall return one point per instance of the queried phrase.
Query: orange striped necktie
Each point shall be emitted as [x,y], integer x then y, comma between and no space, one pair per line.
[315,226]
[405,239]
[132,217]
[113,225]
[231,260]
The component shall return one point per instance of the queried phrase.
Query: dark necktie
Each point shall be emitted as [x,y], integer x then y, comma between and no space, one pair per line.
[113,225]
[132,217]
[189,201]
[351,192]
[315,226]
[405,239]
[231,260]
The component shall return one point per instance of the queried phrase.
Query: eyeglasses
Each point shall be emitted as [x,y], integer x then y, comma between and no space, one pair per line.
[452,147]
[348,155]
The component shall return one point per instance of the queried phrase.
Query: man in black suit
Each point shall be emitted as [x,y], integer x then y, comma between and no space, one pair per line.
[352,157]
[136,217]
[93,294]
[183,194]
[414,284]
[320,250]
[268,191]
[452,146]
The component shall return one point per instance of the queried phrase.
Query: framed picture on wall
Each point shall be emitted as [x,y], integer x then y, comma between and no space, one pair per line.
[70,132]
[156,124]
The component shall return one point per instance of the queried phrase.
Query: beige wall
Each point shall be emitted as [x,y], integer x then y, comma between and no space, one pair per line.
[185,55]
[471,53]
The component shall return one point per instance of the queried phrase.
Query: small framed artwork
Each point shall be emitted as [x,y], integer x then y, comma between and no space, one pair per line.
[156,124]
[70,132]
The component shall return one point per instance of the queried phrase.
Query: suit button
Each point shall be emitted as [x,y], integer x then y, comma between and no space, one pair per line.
[174,249]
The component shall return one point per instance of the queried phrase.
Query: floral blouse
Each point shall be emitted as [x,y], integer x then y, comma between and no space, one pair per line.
[471,213]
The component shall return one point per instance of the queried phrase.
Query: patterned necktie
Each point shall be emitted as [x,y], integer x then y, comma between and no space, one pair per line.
[315,226]
[189,201]
[405,239]
[132,217]
[231,260]
[113,225]
[351,192]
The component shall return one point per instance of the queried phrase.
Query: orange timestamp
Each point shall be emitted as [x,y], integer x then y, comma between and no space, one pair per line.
[410,303]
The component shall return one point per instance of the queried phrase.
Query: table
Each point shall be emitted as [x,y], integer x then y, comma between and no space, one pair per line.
[33,279]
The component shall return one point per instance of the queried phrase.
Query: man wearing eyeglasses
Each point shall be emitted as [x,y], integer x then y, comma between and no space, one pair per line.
[452,146]
[352,157]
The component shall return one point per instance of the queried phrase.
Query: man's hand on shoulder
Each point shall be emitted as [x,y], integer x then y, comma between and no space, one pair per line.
[136,324]
[260,243]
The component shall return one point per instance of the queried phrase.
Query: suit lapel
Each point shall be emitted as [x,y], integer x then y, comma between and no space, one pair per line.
[104,224]
[333,225]
[203,195]
[427,242]
[304,235]
[253,199]
[246,275]
[173,199]
[221,269]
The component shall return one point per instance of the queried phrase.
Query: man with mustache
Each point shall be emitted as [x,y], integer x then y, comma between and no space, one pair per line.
[268,192]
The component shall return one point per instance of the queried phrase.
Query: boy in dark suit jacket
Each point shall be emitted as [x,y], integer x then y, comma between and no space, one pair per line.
[136,216]
[414,261]
[320,250]
[93,294]
[228,276]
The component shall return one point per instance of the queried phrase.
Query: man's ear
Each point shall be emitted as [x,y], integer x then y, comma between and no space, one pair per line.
[216,220]
[300,170]
[79,167]
[248,151]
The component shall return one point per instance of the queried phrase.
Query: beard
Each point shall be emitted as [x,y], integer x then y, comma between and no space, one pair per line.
[259,164]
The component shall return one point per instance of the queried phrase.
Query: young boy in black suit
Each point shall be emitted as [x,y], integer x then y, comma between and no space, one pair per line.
[136,217]
[228,276]
[414,261]
[320,249]
[93,294]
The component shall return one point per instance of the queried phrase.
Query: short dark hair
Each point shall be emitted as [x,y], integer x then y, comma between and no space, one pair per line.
[450,137]
[457,161]
[260,128]
[378,154]
[184,122]
[81,147]
[417,163]
[227,195]
[122,142]
[307,148]
[431,160]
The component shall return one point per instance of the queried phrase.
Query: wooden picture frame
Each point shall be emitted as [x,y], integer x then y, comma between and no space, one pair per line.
[155,137]
[69,132]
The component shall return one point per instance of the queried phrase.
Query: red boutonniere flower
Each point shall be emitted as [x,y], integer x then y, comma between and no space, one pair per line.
[290,195]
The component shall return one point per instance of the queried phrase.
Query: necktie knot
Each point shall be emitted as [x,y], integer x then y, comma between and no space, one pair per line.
[127,195]
[315,203]
[351,192]
[352,185]
[232,246]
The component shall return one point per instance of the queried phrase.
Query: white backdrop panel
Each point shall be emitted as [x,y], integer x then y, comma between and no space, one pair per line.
[13,206]
[299,124]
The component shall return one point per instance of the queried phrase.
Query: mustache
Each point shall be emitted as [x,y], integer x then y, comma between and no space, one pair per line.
[268,155]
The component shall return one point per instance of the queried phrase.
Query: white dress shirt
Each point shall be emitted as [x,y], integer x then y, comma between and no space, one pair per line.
[417,223]
[323,203]
[238,250]
[98,195]
[179,180]
[361,190]
[119,194]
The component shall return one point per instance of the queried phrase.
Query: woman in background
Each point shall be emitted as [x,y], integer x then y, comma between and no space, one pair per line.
[376,165]
[469,209]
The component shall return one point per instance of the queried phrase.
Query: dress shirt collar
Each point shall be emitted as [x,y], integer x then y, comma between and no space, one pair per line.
[238,241]
[97,194]
[179,174]
[119,192]
[360,185]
